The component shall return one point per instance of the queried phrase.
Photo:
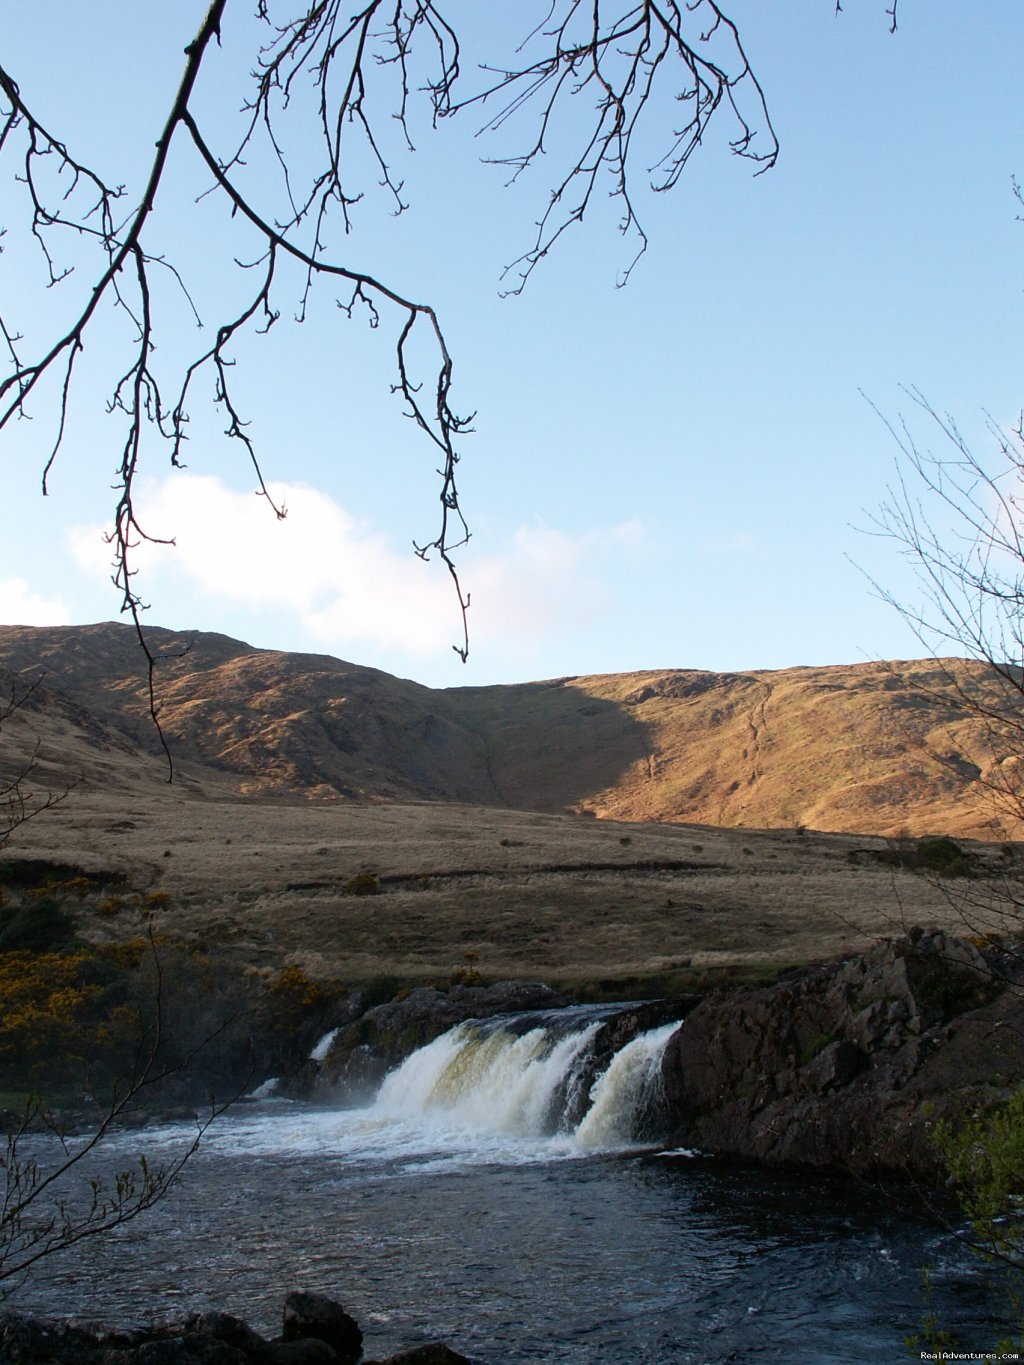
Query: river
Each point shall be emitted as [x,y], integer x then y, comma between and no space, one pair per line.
[455,1206]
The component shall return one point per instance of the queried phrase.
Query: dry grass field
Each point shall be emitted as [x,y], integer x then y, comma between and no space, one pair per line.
[587,903]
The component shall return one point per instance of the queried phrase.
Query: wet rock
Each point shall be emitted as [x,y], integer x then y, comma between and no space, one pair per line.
[226,1328]
[316,1316]
[25,1341]
[317,1331]
[304,1351]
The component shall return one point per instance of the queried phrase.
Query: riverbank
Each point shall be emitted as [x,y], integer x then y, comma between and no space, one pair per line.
[842,1066]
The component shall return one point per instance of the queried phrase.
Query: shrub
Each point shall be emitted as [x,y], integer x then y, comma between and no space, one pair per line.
[935,853]
[984,1156]
[299,989]
[944,856]
[466,976]
[363,884]
[63,1014]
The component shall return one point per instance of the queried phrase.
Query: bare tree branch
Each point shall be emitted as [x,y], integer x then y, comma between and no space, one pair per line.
[959,521]
[19,802]
[321,81]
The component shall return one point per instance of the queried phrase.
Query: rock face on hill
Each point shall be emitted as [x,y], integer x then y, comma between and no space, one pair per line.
[848,1065]
[871,748]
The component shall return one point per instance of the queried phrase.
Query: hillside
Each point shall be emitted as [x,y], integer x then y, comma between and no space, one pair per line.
[875,748]
[300,779]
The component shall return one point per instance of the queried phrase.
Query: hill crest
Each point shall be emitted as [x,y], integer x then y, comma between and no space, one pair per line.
[874,748]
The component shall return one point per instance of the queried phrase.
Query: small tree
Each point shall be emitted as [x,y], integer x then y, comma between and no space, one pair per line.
[959,520]
[19,799]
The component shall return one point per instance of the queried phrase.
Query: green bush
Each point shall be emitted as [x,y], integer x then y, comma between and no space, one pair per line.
[936,854]
[944,856]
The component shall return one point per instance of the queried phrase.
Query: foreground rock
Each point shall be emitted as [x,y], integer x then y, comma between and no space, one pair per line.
[849,1065]
[316,1331]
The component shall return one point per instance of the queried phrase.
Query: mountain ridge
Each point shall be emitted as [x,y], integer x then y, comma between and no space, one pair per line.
[873,748]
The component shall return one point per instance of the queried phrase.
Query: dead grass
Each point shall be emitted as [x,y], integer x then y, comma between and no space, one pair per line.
[603,907]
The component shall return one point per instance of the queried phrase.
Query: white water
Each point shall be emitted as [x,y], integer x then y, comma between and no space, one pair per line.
[489,1084]
[480,1094]
[486,1081]
[617,1094]
[324,1045]
[266,1090]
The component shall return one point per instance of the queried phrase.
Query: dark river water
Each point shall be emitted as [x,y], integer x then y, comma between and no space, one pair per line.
[445,1210]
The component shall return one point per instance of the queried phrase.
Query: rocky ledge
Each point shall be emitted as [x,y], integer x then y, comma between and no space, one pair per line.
[849,1065]
[315,1331]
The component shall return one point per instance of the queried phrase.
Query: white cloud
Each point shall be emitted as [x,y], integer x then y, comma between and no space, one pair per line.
[344,581]
[20,606]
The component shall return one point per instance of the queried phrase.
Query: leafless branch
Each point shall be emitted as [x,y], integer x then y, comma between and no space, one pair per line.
[19,802]
[958,520]
[37,1218]
[338,72]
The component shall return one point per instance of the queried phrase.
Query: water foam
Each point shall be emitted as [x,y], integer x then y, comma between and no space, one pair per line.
[322,1048]
[499,1091]
[492,1080]
[619,1096]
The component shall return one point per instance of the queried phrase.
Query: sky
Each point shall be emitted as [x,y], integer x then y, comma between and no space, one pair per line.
[678,473]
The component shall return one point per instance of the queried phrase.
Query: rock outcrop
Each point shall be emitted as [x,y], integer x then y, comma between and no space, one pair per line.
[848,1065]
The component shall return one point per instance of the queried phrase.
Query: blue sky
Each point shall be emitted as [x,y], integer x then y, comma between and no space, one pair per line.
[666,475]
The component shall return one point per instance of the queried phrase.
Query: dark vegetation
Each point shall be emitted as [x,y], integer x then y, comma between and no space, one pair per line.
[935,854]
[76,1016]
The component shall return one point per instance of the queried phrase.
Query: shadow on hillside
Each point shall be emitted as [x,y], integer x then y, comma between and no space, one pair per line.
[552,746]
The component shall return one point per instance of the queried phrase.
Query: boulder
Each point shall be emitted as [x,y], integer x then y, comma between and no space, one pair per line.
[304,1351]
[210,1339]
[308,1315]
[226,1328]
[317,1331]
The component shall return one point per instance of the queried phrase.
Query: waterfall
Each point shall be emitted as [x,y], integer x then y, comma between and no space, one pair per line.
[622,1096]
[530,1078]
[322,1048]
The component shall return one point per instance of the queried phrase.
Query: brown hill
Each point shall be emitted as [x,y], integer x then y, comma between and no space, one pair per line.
[879,748]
